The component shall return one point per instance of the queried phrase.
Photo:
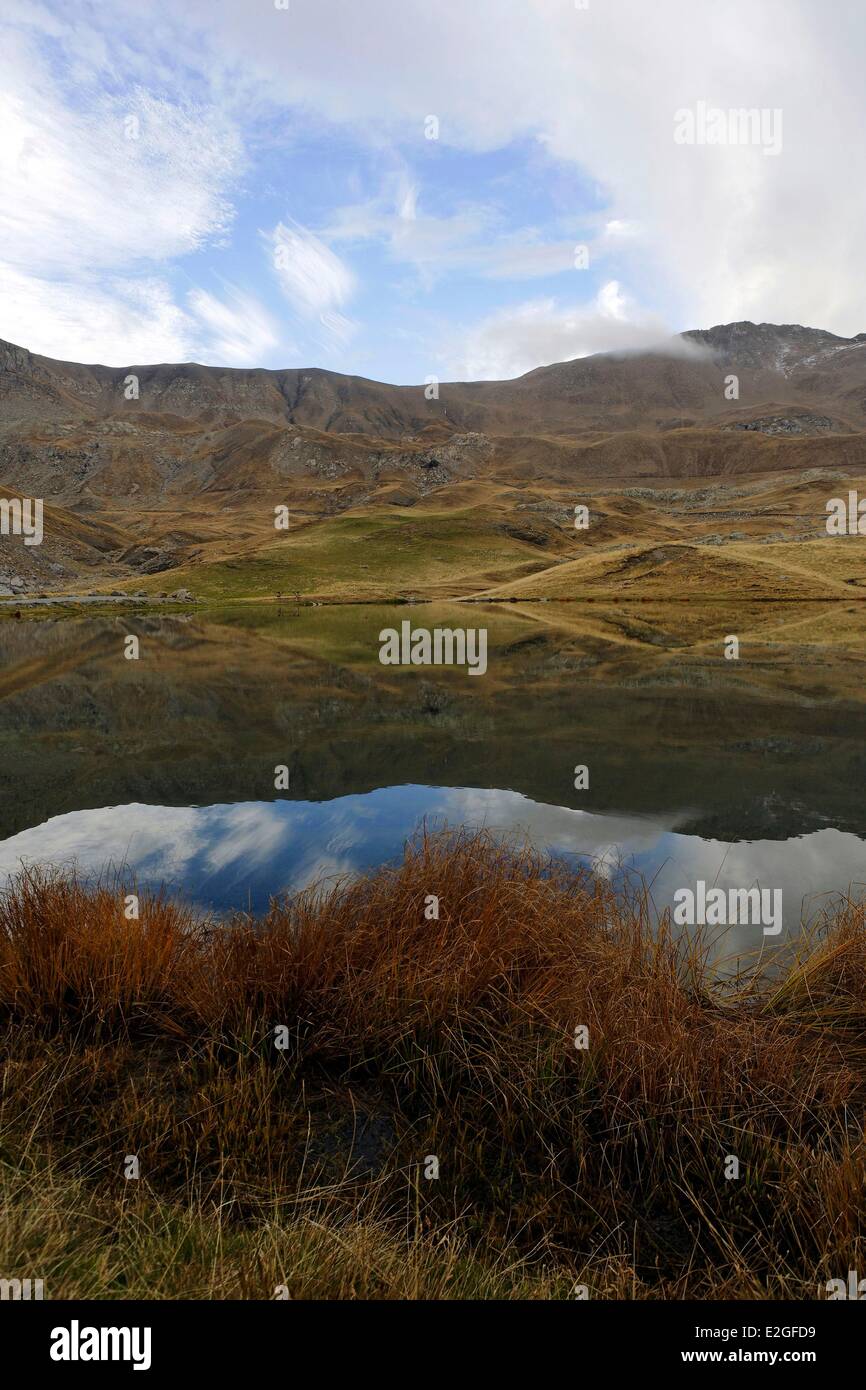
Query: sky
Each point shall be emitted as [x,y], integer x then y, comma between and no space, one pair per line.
[408,189]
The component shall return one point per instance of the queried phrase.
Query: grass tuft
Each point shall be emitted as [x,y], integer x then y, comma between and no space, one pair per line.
[404,1038]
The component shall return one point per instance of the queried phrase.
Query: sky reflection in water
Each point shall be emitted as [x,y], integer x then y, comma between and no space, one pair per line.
[239,855]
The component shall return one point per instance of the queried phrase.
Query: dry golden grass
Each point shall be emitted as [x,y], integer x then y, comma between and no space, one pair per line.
[406,1037]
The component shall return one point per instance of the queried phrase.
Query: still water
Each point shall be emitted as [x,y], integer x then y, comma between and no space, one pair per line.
[698,770]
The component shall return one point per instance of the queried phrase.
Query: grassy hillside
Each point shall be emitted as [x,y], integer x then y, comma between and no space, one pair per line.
[679,572]
[374,555]
[737,539]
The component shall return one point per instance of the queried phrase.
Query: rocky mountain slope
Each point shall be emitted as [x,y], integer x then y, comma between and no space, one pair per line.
[801,368]
[187,466]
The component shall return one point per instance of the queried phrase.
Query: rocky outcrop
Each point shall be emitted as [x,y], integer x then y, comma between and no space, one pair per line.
[803,423]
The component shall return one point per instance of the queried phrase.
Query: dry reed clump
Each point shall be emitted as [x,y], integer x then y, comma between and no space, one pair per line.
[407,1037]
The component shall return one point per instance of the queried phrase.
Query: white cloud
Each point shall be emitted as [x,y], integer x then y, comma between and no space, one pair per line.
[468,239]
[617,229]
[533,334]
[408,208]
[723,232]
[524,256]
[98,194]
[238,330]
[612,303]
[118,184]
[115,321]
[413,237]
[120,322]
[726,232]
[312,277]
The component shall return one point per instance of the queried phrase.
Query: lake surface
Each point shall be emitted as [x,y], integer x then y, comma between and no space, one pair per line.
[739,774]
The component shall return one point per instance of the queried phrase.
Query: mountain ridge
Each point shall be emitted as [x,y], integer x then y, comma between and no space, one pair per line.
[717,337]
[605,392]
[190,470]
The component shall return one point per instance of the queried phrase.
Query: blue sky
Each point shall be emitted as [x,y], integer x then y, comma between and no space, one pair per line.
[240,184]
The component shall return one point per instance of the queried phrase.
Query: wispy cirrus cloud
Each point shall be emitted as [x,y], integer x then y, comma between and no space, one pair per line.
[114,320]
[119,321]
[314,280]
[473,238]
[79,190]
[101,193]
[237,328]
